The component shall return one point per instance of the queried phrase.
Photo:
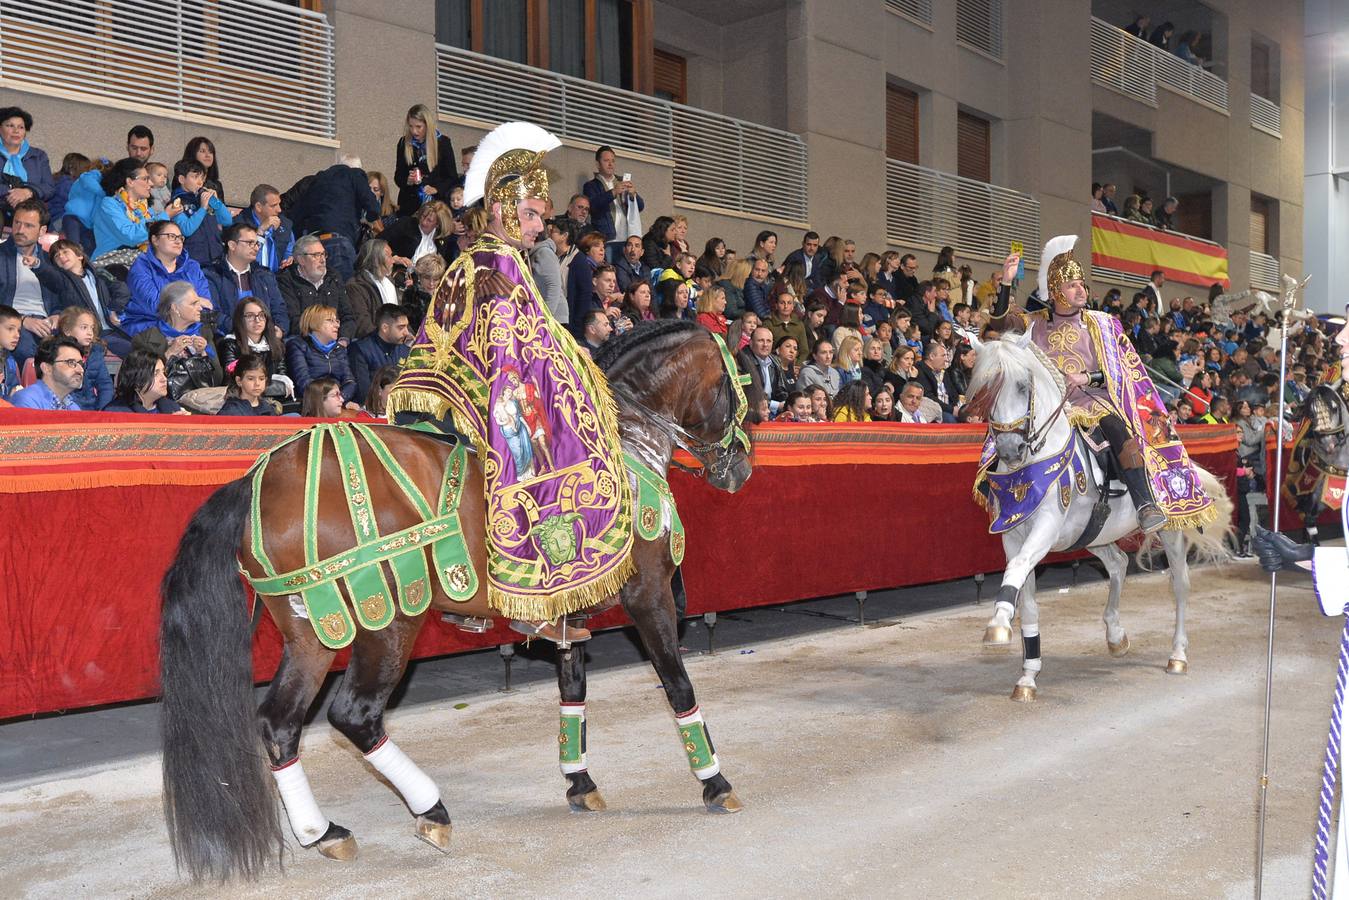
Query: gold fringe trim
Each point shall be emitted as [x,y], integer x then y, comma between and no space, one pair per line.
[415,400]
[549,607]
[1206,516]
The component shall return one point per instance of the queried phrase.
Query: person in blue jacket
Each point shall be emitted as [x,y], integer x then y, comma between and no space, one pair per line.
[122,218]
[25,171]
[166,261]
[204,213]
[79,323]
[315,352]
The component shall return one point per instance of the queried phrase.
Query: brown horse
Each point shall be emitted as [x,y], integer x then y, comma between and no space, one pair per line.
[673,388]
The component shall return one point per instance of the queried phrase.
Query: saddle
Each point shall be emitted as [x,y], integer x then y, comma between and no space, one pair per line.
[1110,472]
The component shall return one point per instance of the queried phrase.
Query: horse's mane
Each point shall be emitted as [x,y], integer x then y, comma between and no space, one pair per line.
[645,333]
[1006,358]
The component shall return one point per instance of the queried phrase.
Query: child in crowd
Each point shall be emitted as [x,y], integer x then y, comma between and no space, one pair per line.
[161,195]
[9,339]
[96,392]
[206,214]
[73,165]
[248,382]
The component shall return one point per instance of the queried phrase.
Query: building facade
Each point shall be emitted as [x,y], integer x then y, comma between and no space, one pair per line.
[909,124]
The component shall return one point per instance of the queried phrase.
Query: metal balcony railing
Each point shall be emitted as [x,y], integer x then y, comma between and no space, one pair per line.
[719,161]
[255,62]
[1136,68]
[928,208]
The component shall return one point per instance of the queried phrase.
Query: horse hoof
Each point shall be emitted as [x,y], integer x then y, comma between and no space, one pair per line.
[588,802]
[997,636]
[725,803]
[437,834]
[337,843]
[1119,649]
[1023,693]
[1177,667]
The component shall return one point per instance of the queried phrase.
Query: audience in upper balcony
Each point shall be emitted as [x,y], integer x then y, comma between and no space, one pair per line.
[94,289]
[424,162]
[656,243]
[614,205]
[140,143]
[164,262]
[1139,27]
[1097,197]
[1185,48]
[204,214]
[239,274]
[1108,198]
[1164,218]
[332,206]
[122,217]
[1161,35]
[275,232]
[184,335]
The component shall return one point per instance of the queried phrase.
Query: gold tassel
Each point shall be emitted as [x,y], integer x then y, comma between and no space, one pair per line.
[417,401]
[1205,516]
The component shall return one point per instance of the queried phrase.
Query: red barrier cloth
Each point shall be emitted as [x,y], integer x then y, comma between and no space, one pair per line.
[830,509]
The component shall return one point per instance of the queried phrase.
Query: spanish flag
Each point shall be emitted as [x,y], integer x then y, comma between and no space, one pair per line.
[1139,250]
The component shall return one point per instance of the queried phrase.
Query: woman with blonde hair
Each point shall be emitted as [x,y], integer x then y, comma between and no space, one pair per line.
[733,284]
[712,309]
[848,358]
[425,165]
[679,242]
[388,213]
[871,267]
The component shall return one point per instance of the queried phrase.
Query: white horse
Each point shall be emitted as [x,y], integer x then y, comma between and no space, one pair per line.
[1029,429]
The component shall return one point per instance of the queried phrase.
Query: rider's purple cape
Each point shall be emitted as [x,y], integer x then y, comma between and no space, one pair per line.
[542,418]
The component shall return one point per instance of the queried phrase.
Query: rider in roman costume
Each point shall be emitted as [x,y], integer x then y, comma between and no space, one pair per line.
[1313,481]
[1108,388]
[559,535]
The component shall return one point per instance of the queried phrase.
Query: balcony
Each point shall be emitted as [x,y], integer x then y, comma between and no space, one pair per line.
[1136,69]
[721,164]
[928,209]
[1128,252]
[1265,116]
[258,64]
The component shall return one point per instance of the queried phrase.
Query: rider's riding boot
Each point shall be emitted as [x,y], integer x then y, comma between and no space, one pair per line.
[552,631]
[1150,517]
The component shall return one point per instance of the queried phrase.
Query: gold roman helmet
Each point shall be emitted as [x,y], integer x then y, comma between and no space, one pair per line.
[1057,266]
[508,168]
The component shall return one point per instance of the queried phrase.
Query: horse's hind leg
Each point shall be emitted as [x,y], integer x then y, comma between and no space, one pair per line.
[649,602]
[582,793]
[1175,544]
[304,662]
[378,659]
[1116,564]
[1030,642]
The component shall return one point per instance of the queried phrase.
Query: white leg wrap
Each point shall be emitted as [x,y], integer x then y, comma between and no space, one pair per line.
[417,788]
[571,739]
[1003,612]
[697,744]
[306,819]
[1032,630]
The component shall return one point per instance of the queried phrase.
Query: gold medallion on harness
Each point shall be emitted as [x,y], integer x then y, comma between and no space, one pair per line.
[1019,491]
[374,607]
[333,626]
[677,545]
[1065,494]
[648,518]
[458,577]
[416,592]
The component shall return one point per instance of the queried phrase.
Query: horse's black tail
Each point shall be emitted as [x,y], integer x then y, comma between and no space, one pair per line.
[218,802]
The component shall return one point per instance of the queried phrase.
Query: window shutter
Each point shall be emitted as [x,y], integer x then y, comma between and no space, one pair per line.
[1259,225]
[901,124]
[670,76]
[972,151]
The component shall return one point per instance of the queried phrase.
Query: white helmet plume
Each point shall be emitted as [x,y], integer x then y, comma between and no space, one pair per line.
[1061,244]
[502,139]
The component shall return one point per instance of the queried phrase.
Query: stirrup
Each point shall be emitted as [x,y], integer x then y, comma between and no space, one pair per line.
[552,631]
[1151,519]
[471,624]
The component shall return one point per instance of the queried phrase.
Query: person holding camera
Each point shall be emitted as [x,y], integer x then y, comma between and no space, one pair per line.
[615,206]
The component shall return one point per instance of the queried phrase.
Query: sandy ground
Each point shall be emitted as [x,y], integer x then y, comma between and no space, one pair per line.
[880,761]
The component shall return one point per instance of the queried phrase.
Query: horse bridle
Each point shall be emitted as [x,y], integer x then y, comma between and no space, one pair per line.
[715,458]
[1033,441]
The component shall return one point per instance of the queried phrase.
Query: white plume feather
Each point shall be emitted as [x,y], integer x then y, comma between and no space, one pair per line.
[505,137]
[1061,244]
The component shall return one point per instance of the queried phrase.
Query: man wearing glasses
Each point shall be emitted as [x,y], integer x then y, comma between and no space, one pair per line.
[60,366]
[311,282]
[906,279]
[239,275]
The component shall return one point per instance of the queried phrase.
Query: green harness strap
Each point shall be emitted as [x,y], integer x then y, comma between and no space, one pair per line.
[317,582]
[654,504]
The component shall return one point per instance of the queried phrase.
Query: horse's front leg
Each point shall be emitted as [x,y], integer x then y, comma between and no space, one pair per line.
[1174,543]
[1024,550]
[582,794]
[650,604]
[1030,642]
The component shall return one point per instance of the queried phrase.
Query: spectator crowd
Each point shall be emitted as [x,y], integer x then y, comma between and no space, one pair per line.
[143,286]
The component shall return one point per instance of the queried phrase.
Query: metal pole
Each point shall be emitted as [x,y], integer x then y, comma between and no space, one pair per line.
[1282,319]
